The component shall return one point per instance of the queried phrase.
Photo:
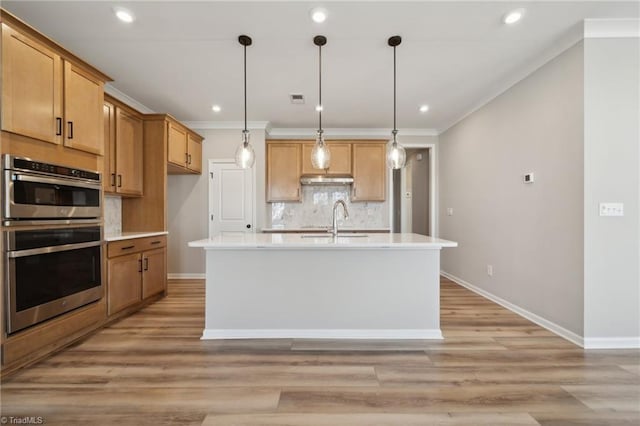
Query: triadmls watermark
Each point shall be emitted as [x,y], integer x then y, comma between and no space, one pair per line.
[22,420]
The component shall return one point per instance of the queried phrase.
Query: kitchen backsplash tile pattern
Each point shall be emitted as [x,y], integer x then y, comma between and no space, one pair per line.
[112,215]
[315,210]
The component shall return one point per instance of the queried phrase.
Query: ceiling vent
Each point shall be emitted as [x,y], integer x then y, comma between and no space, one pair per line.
[296,98]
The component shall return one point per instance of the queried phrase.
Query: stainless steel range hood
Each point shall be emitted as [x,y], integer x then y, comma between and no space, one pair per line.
[326,180]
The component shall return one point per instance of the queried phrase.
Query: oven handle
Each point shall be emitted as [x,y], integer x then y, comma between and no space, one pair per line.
[54,181]
[51,249]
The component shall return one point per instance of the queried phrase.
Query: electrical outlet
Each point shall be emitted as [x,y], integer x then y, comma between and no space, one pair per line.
[490,270]
[449,211]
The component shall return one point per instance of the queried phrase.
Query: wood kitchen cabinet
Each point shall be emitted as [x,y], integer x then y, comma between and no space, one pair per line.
[283,171]
[123,158]
[369,172]
[184,149]
[340,163]
[47,93]
[136,271]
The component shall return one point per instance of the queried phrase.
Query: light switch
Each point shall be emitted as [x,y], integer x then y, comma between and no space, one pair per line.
[611,209]
[449,211]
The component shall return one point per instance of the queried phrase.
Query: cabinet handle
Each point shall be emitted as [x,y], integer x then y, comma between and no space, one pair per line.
[69,129]
[146,263]
[139,265]
[127,248]
[298,192]
[58,126]
[113,179]
[189,156]
[119,181]
[355,192]
[186,158]
[155,242]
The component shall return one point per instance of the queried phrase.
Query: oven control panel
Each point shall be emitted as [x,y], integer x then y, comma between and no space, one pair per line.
[17,163]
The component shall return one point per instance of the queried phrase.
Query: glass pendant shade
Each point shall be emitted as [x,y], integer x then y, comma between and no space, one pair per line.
[320,155]
[245,156]
[396,155]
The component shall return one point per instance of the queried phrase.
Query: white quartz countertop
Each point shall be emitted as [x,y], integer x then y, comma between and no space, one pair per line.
[323,229]
[239,240]
[132,235]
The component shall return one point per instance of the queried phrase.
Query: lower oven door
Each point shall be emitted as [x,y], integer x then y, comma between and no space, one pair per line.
[48,281]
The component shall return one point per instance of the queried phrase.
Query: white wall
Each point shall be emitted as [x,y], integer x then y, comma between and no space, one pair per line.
[188,198]
[532,234]
[612,164]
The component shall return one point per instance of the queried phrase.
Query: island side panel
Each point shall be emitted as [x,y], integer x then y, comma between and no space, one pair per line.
[319,293]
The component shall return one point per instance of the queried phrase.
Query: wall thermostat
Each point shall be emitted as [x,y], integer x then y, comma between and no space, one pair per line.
[528,178]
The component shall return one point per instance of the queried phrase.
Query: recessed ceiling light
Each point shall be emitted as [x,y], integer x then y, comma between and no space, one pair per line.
[124,15]
[424,108]
[216,108]
[318,15]
[513,16]
[318,108]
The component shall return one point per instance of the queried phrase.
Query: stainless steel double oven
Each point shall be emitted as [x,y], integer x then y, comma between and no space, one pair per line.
[52,245]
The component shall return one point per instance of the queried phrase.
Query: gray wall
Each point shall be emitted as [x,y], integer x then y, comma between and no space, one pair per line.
[188,198]
[532,234]
[420,192]
[612,164]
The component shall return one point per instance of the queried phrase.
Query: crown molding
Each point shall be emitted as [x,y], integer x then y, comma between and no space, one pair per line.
[355,133]
[612,28]
[123,97]
[226,125]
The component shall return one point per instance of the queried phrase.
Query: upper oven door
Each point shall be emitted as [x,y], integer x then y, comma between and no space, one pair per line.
[29,196]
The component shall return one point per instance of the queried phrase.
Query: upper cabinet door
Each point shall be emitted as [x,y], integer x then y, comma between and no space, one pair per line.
[109,176]
[194,153]
[369,172]
[340,163]
[283,172]
[129,161]
[32,89]
[177,150]
[307,167]
[83,110]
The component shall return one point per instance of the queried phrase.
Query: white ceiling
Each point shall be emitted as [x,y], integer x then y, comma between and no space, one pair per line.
[181,57]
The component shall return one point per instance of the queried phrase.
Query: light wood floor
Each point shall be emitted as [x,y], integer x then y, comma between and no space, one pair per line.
[492,368]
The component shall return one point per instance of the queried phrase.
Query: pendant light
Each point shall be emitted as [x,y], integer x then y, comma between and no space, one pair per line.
[320,155]
[396,155]
[245,156]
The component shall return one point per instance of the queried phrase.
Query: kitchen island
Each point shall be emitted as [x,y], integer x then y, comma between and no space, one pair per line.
[355,286]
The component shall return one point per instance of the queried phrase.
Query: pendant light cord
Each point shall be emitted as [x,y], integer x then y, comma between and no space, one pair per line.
[245,88]
[320,88]
[395,130]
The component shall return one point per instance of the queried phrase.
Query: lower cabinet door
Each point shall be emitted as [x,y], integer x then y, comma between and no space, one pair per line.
[154,272]
[124,282]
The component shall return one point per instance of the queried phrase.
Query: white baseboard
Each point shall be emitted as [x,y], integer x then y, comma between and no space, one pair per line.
[542,322]
[409,334]
[186,276]
[612,342]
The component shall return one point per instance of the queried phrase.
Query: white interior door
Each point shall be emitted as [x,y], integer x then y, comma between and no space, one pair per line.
[230,198]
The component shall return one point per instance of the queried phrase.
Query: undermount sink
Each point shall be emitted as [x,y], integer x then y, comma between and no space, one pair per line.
[340,235]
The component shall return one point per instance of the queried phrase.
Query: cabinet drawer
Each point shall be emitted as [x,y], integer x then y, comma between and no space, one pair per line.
[135,245]
[150,243]
[122,247]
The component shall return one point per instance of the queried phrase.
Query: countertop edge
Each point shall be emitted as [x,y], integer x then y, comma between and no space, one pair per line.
[134,235]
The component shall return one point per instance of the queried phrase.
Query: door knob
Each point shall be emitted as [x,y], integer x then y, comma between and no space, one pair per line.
[248,226]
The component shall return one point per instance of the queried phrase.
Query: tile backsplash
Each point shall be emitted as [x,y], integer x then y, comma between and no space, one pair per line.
[112,215]
[315,210]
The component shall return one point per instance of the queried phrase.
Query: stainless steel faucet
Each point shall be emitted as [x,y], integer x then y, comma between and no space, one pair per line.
[334,229]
